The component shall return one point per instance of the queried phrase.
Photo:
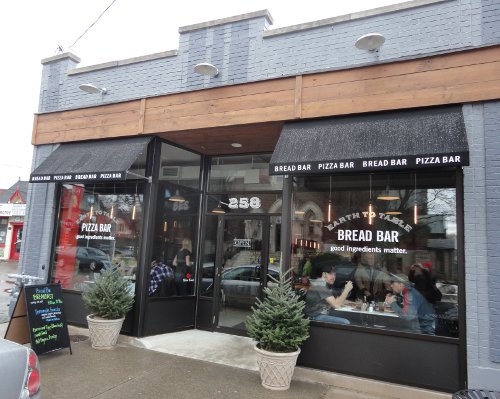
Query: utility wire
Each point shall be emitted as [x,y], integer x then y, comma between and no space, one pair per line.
[98,18]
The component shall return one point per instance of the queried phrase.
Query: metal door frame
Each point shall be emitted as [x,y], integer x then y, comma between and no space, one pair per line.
[265,219]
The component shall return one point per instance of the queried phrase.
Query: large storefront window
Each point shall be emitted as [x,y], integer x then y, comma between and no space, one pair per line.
[99,228]
[173,266]
[378,250]
[243,173]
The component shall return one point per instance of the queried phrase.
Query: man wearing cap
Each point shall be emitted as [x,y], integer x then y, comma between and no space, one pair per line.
[320,298]
[410,305]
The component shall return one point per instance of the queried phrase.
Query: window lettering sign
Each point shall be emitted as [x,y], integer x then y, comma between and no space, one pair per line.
[377,236]
[244,203]
[180,206]
[242,242]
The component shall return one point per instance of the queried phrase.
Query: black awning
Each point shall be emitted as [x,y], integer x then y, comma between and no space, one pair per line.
[91,161]
[396,140]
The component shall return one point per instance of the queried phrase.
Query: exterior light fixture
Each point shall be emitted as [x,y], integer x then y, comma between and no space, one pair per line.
[92,89]
[206,69]
[236,145]
[370,41]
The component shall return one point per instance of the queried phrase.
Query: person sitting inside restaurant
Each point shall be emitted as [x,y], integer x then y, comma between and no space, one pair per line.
[161,274]
[370,279]
[420,275]
[409,304]
[321,297]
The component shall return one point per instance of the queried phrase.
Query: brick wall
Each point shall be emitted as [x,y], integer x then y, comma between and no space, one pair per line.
[246,50]
[482,235]
[492,169]
[39,220]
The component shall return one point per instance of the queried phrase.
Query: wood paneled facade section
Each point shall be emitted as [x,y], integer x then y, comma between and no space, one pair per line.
[208,119]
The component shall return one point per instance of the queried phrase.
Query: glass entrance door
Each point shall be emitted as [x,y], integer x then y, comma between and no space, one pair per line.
[241,268]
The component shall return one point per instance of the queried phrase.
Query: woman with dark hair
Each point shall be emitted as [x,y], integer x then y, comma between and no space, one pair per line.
[422,280]
[182,265]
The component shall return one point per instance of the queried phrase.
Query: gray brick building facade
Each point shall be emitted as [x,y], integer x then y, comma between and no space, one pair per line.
[246,49]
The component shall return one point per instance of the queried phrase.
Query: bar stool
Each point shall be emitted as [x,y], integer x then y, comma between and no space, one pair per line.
[476,394]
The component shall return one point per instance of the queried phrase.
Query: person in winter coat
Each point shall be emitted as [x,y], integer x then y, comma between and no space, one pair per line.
[409,304]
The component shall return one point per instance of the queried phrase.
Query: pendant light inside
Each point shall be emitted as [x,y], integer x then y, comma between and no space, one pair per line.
[330,202]
[177,197]
[218,210]
[415,205]
[388,195]
[370,205]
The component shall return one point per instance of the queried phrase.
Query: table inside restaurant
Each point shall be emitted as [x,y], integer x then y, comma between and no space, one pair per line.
[375,318]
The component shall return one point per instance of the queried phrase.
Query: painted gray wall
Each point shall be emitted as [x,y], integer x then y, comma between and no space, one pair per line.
[482,235]
[492,171]
[38,226]
[245,51]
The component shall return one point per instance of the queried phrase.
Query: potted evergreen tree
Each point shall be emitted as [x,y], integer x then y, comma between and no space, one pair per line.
[279,327]
[108,299]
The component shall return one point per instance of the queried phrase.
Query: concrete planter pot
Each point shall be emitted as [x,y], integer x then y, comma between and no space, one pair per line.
[276,368]
[104,333]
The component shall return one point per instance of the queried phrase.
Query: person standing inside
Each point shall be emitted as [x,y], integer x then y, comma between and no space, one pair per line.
[182,264]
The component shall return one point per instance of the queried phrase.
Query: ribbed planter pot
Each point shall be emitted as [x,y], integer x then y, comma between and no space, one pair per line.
[104,333]
[276,368]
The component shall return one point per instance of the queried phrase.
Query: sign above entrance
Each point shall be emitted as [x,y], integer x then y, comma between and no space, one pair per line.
[414,139]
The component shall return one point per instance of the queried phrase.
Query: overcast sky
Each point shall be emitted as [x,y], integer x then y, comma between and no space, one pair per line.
[32,30]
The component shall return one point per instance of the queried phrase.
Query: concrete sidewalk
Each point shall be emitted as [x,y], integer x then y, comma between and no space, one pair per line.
[131,371]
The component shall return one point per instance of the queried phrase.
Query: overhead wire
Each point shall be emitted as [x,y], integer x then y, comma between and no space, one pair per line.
[93,23]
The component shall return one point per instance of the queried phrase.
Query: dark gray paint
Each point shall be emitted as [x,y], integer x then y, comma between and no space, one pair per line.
[238,51]
[492,171]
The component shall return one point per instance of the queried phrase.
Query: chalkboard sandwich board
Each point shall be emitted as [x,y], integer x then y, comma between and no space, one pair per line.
[39,309]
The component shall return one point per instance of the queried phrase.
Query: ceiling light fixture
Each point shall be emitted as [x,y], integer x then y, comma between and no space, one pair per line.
[206,69]
[92,89]
[219,210]
[330,202]
[177,197]
[370,41]
[371,214]
[415,204]
[388,195]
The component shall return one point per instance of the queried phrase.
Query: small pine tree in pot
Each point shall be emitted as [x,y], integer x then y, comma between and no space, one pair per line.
[279,327]
[108,299]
